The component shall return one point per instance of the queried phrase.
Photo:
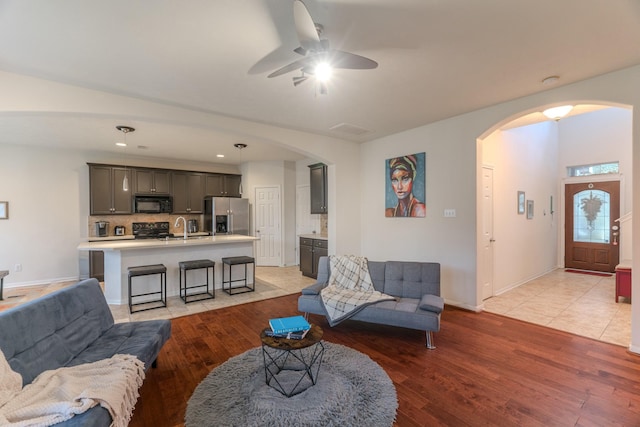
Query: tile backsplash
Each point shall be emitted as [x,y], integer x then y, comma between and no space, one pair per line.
[127,220]
[324,221]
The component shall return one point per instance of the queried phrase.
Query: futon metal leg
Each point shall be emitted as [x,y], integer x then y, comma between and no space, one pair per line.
[430,345]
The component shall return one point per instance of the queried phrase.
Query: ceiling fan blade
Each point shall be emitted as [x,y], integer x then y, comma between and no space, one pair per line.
[340,59]
[301,63]
[305,27]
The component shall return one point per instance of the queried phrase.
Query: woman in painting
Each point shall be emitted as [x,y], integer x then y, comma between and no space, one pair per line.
[402,171]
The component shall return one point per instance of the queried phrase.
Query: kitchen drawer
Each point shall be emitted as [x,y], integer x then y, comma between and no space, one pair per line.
[324,244]
[306,242]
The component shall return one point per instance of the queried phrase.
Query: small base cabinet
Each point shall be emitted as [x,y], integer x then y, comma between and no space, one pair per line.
[623,280]
[310,252]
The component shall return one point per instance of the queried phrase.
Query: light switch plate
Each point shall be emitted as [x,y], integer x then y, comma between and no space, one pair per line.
[449,213]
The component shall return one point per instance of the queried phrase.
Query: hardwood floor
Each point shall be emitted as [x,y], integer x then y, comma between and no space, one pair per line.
[487,369]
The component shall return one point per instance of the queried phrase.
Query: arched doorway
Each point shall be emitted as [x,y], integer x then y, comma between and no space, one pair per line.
[532,160]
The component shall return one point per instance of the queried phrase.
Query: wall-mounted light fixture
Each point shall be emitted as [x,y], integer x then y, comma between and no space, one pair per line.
[556,113]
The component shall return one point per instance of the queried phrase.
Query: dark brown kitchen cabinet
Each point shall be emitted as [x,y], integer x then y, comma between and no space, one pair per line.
[310,252]
[152,181]
[221,185]
[107,195]
[96,265]
[188,192]
[318,184]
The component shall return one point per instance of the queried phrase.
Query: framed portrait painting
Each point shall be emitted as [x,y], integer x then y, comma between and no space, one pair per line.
[405,186]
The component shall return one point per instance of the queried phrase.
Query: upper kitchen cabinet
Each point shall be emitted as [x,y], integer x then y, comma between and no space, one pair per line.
[318,183]
[188,192]
[152,181]
[220,185]
[107,195]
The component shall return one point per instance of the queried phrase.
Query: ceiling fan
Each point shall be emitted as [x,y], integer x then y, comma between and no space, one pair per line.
[319,59]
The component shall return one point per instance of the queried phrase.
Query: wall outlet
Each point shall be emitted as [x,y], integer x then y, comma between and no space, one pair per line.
[449,213]
[17,268]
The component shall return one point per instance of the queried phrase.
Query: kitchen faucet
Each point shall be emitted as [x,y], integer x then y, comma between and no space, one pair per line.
[184,225]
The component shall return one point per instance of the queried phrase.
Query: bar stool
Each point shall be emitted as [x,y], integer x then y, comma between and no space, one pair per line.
[238,260]
[196,265]
[146,270]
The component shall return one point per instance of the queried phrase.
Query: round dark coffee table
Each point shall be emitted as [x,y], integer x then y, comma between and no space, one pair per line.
[291,366]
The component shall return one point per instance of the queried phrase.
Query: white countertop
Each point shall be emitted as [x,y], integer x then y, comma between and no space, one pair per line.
[124,244]
[131,237]
[314,236]
[110,238]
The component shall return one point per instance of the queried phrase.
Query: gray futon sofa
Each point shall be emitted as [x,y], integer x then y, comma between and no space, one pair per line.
[416,286]
[73,326]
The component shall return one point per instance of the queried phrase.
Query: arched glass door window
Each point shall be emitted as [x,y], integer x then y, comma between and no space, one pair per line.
[591,216]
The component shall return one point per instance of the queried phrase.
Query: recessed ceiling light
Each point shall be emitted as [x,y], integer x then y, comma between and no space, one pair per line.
[551,80]
[142,147]
[220,155]
[121,144]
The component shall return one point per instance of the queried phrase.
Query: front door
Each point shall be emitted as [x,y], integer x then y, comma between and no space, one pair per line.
[591,209]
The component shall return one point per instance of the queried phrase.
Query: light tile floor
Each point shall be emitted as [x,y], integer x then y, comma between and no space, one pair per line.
[271,282]
[578,303]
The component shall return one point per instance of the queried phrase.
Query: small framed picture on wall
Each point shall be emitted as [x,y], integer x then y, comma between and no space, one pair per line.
[529,209]
[521,202]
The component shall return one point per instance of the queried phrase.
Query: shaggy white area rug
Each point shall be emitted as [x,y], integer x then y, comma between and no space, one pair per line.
[351,390]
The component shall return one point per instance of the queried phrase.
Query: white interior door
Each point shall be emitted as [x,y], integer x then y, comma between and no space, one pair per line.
[267,226]
[486,265]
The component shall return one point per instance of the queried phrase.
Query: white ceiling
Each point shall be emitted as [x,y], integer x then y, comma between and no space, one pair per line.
[437,59]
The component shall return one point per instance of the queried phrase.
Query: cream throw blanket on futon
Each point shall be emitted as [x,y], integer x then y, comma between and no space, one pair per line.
[349,289]
[57,395]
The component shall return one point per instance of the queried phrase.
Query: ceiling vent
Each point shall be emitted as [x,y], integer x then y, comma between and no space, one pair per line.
[349,129]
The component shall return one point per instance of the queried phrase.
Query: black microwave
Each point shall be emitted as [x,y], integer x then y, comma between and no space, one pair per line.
[152,204]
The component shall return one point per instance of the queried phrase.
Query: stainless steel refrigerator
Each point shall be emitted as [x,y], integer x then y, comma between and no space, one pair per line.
[226,215]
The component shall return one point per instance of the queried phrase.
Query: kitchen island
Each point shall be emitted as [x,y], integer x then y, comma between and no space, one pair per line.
[119,255]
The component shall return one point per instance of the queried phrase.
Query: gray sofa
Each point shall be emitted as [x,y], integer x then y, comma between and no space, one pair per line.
[416,286]
[73,326]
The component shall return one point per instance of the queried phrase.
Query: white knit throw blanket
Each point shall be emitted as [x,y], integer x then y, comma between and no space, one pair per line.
[57,395]
[349,289]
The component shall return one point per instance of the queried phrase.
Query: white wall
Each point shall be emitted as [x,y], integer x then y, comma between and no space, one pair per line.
[450,183]
[45,189]
[524,159]
[597,137]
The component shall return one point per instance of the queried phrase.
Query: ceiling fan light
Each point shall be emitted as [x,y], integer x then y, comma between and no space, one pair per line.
[323,71]
[556,113]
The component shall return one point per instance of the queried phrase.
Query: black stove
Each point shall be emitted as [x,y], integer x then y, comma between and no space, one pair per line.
[150,230]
